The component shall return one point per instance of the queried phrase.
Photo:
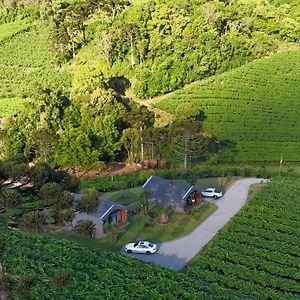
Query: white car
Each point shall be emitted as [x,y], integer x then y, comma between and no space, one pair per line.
[212,192]
[141,247]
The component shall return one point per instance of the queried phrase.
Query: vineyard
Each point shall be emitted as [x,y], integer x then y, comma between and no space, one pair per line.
[22,69]
[258,254]
[96,274]
[254,108]
[255,257]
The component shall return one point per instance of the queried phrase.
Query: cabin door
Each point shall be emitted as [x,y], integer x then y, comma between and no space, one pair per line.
[197,197]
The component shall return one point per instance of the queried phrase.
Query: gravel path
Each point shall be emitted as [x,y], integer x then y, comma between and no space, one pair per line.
[177,253]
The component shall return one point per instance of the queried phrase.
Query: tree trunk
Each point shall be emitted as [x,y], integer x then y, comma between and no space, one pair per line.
[142,147]
[132,52]
[152,150]
[185,154]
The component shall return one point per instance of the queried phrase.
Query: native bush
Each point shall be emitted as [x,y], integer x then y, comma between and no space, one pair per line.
[10,198]
[88,203]
[85,228]
[33,220]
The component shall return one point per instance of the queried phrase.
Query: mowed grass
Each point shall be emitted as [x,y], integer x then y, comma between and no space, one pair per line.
[124,197]
[255,109]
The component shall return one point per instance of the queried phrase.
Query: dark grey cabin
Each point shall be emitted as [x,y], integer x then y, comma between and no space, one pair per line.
[173,194]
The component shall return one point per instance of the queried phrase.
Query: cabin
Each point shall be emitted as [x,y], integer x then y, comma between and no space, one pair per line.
[173,194]
[108,212]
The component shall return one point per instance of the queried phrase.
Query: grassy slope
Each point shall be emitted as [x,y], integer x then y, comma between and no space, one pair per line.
[26,62]
[256,107]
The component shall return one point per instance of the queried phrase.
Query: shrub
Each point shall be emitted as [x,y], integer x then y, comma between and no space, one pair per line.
[23,286]
[85,228]
[64,200]
[50,191]
[10,198]
[2,246]
[65,215]
[34,220]
[88,203]
[71,182]
[61,279]
[6,283]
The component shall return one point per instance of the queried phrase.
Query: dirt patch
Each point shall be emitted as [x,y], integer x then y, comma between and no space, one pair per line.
[111,169]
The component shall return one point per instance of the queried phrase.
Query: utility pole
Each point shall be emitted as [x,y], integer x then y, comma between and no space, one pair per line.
[185,154]
[280,166]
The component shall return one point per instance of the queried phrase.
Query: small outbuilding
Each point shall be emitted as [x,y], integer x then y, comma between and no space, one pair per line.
[108,212]
[173,194]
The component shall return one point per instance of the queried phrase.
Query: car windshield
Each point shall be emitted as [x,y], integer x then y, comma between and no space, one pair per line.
[150,245]
[135,244]
[217,191]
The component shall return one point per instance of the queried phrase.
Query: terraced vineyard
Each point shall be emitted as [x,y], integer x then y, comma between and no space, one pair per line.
[255,108]
[23,69]
[258,254]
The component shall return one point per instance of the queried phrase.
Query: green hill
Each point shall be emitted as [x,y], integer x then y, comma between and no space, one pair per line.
[254,108]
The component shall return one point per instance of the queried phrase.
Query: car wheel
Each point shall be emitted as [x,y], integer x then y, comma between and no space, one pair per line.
[215,197]
[148,252]
[129,251]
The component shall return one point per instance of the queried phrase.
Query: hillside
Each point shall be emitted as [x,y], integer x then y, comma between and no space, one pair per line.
[253,109]
[64,54]
[26,64]
[265,233]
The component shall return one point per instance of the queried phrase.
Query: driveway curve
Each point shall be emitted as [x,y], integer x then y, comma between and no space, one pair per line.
[177,253]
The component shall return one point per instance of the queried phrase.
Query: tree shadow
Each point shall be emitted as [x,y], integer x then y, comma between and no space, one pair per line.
[229,151]
[201,116]
[120,84]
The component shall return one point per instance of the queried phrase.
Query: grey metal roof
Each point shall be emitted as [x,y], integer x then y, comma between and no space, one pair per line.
[174,189]
[104,207]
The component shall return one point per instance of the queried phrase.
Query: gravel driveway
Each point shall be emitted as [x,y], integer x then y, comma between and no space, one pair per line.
[177,253]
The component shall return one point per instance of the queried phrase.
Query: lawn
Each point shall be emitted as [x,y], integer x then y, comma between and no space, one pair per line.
[143,227]
[124,197]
